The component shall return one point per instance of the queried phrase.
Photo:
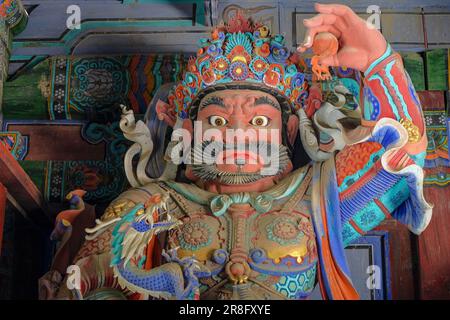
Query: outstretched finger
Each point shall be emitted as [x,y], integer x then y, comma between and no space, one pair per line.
[337,9]
[325,19]
[311,33]
[319,20]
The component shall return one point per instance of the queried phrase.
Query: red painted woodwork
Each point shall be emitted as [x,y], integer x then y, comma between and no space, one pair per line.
[420,265]
[21,187]
[58,142]
[434,247]
[401,260]
[432,100]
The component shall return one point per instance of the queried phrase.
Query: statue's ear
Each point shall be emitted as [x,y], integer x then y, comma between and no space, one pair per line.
[165,113]
[292,128]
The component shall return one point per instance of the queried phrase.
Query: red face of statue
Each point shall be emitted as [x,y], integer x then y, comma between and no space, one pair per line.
[248,125]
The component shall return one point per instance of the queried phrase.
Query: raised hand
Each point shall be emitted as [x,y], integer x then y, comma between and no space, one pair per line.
[359,44]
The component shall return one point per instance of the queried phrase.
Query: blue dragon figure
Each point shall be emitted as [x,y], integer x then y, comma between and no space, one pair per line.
[175,279]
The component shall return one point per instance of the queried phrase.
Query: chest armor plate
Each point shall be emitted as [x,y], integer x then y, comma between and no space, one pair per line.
[274,251]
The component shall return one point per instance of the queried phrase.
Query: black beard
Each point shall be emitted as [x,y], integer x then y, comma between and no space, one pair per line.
[209,172]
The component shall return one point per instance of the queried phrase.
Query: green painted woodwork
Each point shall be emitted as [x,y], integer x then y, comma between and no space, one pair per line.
[437,69]
[414,64]
[23,98]
[21,25]
[36,171]
[4,56]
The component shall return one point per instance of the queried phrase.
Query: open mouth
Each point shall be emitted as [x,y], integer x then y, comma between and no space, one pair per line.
[240,167]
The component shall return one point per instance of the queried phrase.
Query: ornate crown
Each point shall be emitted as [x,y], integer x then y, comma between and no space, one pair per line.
[6,7]
[240,51]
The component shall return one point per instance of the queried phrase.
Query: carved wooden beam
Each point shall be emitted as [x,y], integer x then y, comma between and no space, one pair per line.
[21,190]
[54,141]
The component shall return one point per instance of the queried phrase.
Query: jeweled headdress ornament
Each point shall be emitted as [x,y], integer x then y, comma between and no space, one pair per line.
[240,52]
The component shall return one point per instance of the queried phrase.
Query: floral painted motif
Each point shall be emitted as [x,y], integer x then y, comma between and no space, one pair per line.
[194,235]
[284,231]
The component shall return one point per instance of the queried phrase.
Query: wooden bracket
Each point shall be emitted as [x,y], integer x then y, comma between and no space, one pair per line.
[19,186]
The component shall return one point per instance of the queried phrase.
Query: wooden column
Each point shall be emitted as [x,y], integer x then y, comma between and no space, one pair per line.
[401,260]
[434,247]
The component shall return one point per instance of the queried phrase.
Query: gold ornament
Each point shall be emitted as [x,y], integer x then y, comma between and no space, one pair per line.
[412,129]
[117,209]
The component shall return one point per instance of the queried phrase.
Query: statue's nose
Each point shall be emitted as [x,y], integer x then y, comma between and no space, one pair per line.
[238,130]
[237,123]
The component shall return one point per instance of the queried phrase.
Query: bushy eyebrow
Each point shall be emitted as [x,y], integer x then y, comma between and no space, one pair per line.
[219,102]
[266,100]
[212,100]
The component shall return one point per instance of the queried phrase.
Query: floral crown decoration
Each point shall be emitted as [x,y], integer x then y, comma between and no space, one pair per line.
[6,7]
[240,51]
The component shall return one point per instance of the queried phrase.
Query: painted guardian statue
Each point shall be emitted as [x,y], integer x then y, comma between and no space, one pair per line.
[270,171]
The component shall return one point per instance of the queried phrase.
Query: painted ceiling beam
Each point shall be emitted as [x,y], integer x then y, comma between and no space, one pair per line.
[127,27]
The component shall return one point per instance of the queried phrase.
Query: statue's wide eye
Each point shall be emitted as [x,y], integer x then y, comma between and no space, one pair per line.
[260,121]
[217,121]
